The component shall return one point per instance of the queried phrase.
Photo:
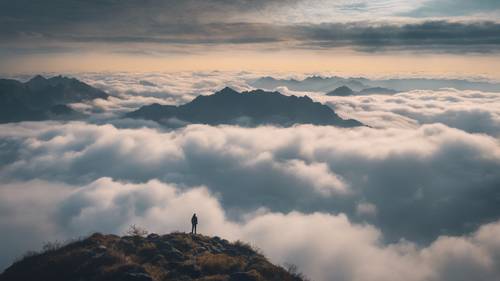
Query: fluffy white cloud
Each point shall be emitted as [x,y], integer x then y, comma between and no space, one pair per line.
[471,111]
[419,181]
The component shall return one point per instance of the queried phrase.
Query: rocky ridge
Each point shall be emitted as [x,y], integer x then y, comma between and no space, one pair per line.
[175,256]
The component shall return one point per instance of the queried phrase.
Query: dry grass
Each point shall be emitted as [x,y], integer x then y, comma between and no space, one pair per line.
[218,263]
[243,245]
[184,242]
[156,272]
[217,277]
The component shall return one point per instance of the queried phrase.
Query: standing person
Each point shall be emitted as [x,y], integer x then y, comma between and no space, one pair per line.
[194,222]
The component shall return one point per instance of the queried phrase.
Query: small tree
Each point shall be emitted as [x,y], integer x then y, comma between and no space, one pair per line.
[134,230]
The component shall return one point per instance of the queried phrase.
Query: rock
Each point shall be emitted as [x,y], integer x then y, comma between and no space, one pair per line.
[243,276]
[137,277]
[153,236]
[189,269]
[126,245]
[174,254]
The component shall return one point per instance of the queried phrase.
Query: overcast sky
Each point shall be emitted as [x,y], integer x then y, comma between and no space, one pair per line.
[191,35]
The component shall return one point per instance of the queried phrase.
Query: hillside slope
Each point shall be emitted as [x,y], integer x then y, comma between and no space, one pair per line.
[175,256]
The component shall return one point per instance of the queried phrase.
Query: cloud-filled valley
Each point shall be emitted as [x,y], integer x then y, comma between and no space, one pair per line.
[417,187]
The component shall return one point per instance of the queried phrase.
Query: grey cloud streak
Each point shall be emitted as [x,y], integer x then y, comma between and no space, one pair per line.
[429,35]
[454,8]
[362,36]
[32,26]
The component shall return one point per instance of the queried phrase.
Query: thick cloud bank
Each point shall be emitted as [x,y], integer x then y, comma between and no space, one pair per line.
[414,184]
[467,110]
[471,111]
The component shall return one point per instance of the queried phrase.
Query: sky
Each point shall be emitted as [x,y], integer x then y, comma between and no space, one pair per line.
[432,36]
[414,193]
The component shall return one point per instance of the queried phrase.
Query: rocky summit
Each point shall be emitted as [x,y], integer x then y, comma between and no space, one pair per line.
[175,256]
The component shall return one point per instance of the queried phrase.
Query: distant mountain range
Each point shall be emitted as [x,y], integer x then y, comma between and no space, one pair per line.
[43,99]
[326,84]
[344,91]
[247,109]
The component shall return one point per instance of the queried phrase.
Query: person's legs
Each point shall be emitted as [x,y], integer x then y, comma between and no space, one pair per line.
[195,228]
[192,228]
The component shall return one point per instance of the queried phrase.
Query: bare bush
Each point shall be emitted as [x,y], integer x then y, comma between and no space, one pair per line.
[293,270]
[137,231]
[51,246]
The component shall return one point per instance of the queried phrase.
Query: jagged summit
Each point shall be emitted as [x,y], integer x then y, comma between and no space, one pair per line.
[326,84]
[344,91]
[251,108]
[43,98]
[226,91]
[176,256]
[37,78]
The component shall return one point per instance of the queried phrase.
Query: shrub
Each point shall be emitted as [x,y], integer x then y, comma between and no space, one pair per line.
[137,231]
[244,246]
[51,246]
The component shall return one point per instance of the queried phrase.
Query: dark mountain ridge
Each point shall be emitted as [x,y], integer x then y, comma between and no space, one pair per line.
[41,98]
[247,108]
[344,91]
[325,84]
[176,256]
[341,91]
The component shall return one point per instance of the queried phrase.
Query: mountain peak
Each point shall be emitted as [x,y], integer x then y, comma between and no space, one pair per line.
[175,256]
[37,77]
[37,82]
[341,91]
[226,91]
[253,108]
[44,99]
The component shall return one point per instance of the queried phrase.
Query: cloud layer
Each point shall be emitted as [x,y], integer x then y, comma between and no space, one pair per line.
[418,180]
[416,190]
[470,111]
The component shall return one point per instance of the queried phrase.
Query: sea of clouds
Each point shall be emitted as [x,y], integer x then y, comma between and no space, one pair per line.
[414,195]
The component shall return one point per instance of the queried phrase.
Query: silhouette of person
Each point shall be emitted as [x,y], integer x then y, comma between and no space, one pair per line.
[194,222]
